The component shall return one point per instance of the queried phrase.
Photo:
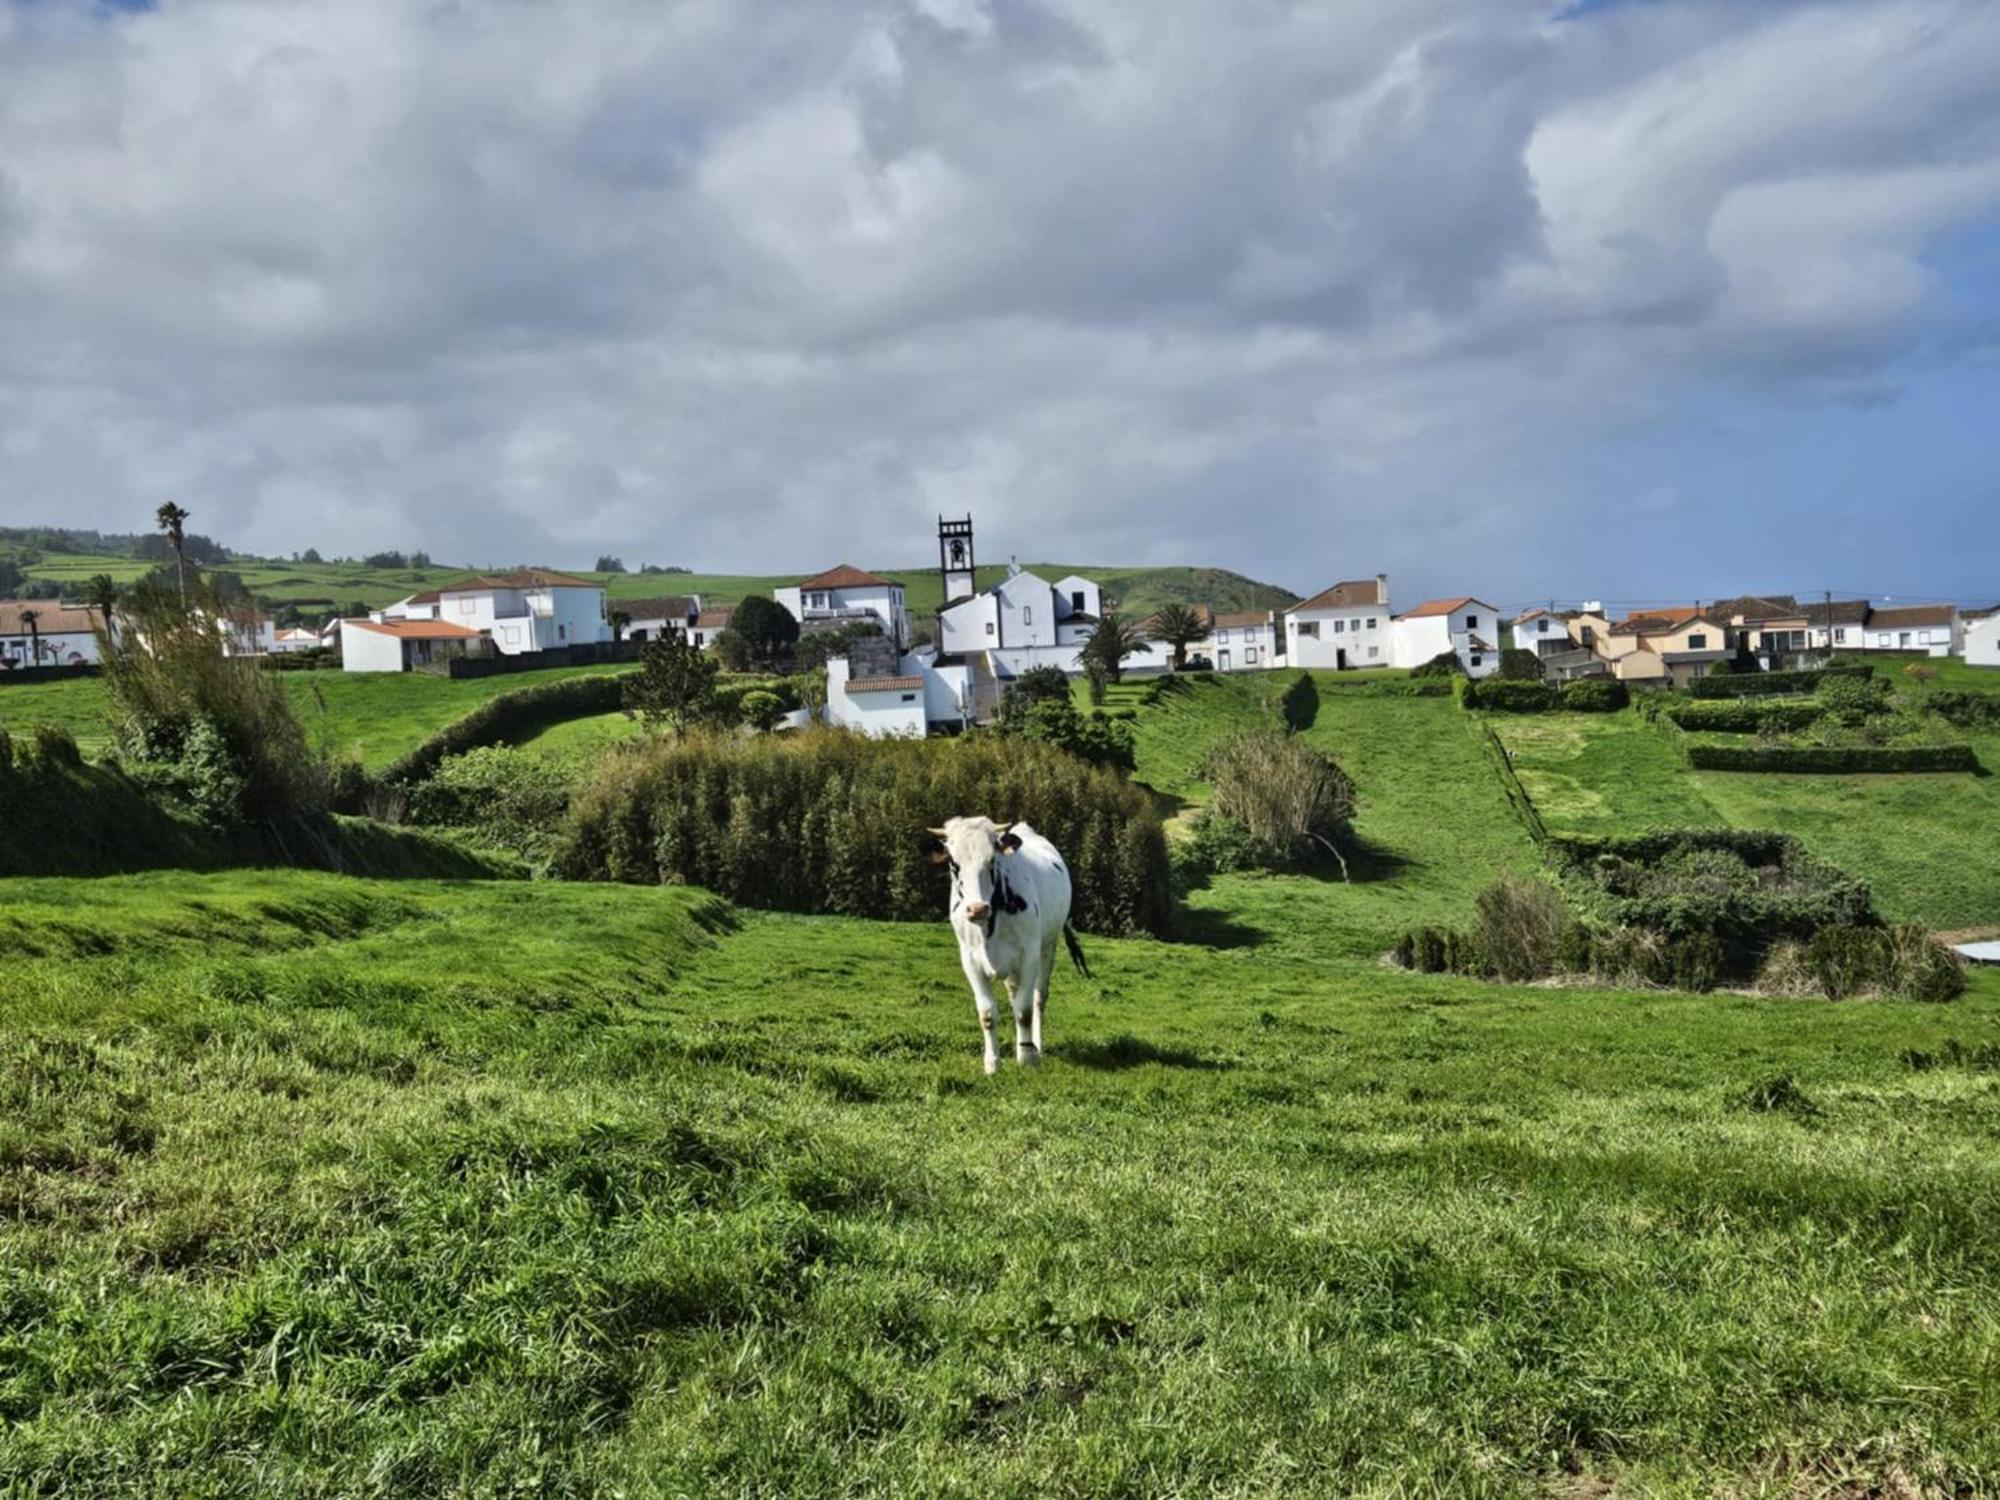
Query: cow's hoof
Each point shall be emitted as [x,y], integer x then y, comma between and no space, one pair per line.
[1028,1057]
[992,1066]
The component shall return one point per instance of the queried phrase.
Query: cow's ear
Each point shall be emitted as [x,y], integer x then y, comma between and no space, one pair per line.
[934,847]
[1009,840]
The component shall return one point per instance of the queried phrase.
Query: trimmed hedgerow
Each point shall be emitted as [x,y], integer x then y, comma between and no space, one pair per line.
[1595,695]
[1742,715]
[1502,695]
[1967,710]
[512,715]
[1763,684]
[827,821]
[1818,760]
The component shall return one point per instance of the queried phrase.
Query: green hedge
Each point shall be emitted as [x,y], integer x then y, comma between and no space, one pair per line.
[1763,684]
[1814,760]
[1595,695]
[1502,695]
[1741,715]
[827,821]
[511,716]
[1968,710]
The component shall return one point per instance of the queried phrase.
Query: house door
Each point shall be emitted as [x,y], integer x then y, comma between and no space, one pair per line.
[1340,659]
[1222,660]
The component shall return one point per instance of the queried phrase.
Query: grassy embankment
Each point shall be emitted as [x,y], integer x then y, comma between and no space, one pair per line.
[373,717]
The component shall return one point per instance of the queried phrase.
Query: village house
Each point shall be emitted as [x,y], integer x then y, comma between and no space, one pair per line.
[1467,627]
[847,596]
[1921,629]
[1347,625]
[401,645]
[530,609]
[1982,637]
[654,619]
[295,638]
[1835,625]
[709,624]
[1244,641]
[45,633]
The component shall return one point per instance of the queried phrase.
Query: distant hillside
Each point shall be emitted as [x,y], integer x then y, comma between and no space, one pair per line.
[324,588]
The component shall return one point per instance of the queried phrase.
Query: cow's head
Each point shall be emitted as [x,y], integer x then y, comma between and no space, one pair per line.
[971,846]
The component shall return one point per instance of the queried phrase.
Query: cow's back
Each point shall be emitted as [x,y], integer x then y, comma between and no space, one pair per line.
[1049,873]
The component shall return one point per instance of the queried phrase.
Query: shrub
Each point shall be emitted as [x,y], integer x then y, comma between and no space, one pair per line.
[1829,760]
[1094,737]
[1967,710]
[54,746]
[1217,845]
[1785,971]
[6,752]
[1919,967]
[1036,685]
[1501,696]
[1720,684]
[1741,715]
[1296,803]
[1517,665]
[674,687]
[1595,695]
[827,821]
[1300,703]
[1523,924]
[1847,961]
[1444,664]
[1850,700]
[1440,950]
[761,709]
[512,715]
[509,799]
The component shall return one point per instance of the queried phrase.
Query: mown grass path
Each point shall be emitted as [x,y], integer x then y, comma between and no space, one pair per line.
[331,1187]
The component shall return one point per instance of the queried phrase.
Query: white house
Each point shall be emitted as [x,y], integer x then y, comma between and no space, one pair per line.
[1470,627]
[531,609]
[295,639]
[398,645]
[1836,626]
[882,706]
[1921,629]
[1982,638]
[653,619]
[709,624]
[45,633]
[844,596]
[1345,626]
[247,634]
[1024,621]
[1243,641]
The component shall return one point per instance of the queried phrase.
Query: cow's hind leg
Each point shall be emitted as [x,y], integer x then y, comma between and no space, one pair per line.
[982,997]
[1042,990]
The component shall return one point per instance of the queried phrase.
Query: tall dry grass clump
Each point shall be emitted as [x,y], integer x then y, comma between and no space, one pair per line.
[1294,805]
[828,821]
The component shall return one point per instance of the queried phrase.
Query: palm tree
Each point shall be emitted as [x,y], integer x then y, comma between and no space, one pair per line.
[32,618]
[1179,626]
[172,519]
[1114,639]
[100,592]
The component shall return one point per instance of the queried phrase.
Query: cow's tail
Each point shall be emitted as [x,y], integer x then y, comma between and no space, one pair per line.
[1075,951]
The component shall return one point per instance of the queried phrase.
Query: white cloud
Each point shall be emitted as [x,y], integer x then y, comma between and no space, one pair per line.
[766,286]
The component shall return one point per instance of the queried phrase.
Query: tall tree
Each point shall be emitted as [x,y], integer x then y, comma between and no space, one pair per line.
[766,626]
[675,685]
[172,520]
[1114,639]
[1179,626]
[100,592]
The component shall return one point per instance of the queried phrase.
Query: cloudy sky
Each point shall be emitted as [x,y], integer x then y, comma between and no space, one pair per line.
[1635,300]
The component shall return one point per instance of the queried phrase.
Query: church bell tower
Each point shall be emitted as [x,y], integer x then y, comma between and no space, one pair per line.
[955,558]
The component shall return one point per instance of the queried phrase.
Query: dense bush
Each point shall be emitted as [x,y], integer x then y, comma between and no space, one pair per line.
[1848,699]
[1741,715]
[1720,684]
[509,799]
[1903,961]
[1517,665]
[1832,760]
[827,821]
[1036,685]
[53,746]
[1522,927]
[1300,703]
[512,715]
[1499,695]
[312,659]
[1295,803]
[1095,737]
[1595,695]
[1968,710]
[1444,664]
[761,709]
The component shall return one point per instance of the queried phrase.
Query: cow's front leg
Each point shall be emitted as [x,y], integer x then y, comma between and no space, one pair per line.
[1026,990]
[982,998]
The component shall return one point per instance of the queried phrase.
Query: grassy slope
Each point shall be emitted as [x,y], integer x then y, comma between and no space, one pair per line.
[1139,589]
[327,1186]
[372,716]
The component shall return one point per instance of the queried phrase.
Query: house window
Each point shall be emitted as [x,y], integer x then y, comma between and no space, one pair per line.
[562,632]
[465,605]
[1472,622]
[1309,627]
[1076,600]
[1371,622]
[1027,614]
[1374,651]
[1697,643]
[989,627]
[1475,659]
[1249,656]
[1840,634]
[1222,637]
[1542,625]
[909,697]
[1339,627]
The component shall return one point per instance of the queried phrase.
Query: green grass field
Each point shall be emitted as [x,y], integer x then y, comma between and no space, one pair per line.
[373,716]
[321,1186]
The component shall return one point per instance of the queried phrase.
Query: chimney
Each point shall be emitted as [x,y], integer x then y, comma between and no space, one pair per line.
[1382,588]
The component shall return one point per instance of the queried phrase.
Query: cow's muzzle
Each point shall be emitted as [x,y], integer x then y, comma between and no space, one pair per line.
[975,911]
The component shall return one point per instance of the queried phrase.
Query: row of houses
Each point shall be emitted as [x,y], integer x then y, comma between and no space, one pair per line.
[1675,645]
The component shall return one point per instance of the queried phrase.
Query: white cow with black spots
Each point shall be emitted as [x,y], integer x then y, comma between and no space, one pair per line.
[1010,899]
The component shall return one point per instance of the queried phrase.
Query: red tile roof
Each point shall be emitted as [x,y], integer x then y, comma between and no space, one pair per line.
[1345,595]
[1912,614]
[1243,619]
[846,576]
[884,684]
[520,578]
[716,617]
[1431,607]
[417,630]
[51,618]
